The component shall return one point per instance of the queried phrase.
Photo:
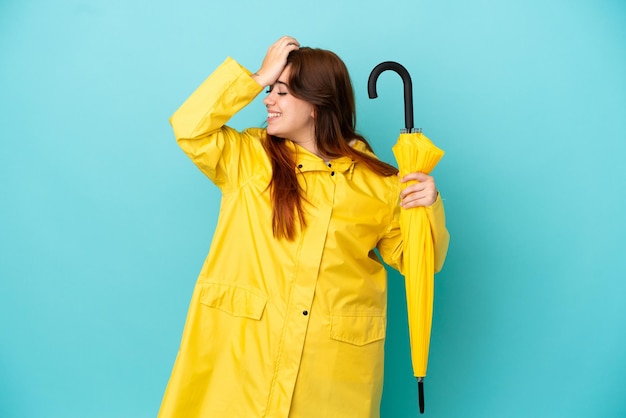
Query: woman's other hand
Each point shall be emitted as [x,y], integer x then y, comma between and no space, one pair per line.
[275,61]
[423,192]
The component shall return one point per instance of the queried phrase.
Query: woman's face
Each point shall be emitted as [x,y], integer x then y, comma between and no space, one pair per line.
[289,117]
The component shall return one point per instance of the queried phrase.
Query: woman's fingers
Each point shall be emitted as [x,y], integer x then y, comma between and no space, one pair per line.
[275,60]
[423,192]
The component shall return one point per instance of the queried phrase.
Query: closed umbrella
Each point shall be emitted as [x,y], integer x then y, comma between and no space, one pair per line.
[414,152]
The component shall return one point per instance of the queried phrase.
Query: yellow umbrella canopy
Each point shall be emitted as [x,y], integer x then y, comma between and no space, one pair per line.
[414,152]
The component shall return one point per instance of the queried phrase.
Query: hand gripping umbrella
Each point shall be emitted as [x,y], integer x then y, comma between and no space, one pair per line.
[414,152]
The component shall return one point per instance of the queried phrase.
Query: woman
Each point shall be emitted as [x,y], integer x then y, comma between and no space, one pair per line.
[288,315]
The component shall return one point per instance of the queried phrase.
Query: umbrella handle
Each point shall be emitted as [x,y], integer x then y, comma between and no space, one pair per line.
[408,88]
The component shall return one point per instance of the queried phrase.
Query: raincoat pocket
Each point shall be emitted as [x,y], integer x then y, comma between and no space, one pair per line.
[237,301]
[357,328]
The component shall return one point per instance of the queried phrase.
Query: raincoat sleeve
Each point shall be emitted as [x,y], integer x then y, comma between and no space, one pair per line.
[390,245]
[199,124]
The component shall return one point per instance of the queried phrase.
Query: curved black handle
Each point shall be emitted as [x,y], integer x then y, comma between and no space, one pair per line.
[408,88]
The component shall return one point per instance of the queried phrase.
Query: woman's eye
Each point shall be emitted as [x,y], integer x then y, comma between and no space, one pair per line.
[280,93]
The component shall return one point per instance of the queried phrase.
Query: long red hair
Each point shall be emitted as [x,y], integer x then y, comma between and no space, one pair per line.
[320,78]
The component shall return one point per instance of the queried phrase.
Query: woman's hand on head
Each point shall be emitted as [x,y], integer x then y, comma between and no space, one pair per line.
[275,61]
[421,193]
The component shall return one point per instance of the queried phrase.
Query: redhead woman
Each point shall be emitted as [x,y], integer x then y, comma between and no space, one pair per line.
[288,315]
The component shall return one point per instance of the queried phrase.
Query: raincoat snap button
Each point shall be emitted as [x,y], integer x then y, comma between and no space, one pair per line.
[305,313]
[332,174]
[299,165]
[330,165]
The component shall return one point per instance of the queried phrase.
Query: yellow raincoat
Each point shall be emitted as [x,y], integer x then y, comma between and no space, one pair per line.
[281,328]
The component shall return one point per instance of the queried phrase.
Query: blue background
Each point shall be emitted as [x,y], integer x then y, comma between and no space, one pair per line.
[104,223]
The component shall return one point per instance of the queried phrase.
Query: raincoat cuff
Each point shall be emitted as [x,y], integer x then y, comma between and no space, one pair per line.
[441,237]
[437,217]
[436,204]
[232,65]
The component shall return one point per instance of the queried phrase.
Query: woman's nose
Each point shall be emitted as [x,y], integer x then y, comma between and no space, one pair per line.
[268,99]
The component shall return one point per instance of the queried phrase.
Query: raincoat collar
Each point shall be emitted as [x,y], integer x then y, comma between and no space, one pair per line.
[307,161]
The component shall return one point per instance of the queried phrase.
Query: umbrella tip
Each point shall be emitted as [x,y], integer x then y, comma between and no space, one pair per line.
[420,389]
